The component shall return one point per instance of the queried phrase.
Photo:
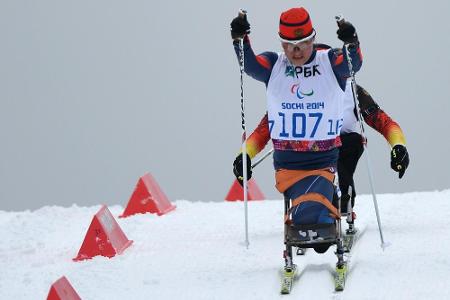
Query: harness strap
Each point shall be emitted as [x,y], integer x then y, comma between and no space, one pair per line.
[286,178]
[316,197]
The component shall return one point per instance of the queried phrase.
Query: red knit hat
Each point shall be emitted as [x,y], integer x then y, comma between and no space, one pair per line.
[295,24]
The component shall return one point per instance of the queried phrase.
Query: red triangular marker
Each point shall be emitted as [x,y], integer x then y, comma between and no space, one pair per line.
[236,192]
[104,237]
[147,197]
[61,289]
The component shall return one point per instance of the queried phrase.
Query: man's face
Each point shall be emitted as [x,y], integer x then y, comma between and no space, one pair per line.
[298,53]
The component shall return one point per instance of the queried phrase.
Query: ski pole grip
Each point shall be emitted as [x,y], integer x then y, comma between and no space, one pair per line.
[339,20]
[242,13]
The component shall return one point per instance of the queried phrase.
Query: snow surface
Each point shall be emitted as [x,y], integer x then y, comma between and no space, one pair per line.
[197,252]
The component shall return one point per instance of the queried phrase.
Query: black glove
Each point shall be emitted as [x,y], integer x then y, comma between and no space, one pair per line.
[399,159]
[239,27]
[237,168]
[347,33]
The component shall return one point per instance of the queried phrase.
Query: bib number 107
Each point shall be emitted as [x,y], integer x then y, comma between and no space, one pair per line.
[299,125]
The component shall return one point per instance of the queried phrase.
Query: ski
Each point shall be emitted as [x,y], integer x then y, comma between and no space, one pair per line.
[288,279]
[339,277]
[349,239]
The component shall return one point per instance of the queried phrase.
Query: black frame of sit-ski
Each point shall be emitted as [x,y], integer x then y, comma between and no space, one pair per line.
[311,236]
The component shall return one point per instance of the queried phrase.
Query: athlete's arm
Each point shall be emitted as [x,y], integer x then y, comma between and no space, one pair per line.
[339,63]
[258,67]
[376,118]
[259,137]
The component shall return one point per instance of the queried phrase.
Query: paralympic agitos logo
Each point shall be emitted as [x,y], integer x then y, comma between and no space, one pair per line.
[295,89]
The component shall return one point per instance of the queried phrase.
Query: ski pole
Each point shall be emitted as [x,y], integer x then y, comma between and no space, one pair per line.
[242,14]
[340,19]
[262,158]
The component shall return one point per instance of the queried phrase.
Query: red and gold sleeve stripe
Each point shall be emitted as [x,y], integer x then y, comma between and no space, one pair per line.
[259,137]
[381,122]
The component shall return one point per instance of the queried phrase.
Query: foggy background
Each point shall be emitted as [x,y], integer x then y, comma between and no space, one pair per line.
[93,94]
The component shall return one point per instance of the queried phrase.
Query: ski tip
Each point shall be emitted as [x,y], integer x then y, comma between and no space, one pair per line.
[340,277]
[288,279]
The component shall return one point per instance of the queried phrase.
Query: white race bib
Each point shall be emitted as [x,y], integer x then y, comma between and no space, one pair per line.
[304,103]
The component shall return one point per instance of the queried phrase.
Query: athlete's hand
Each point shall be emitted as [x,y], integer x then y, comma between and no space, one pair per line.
[399,159]
[240,26]
[347,33]
[238,171]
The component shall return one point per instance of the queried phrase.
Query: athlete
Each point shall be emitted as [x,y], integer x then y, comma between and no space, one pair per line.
[305,89]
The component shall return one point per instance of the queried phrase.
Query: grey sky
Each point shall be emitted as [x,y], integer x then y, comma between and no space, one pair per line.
[93,94]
